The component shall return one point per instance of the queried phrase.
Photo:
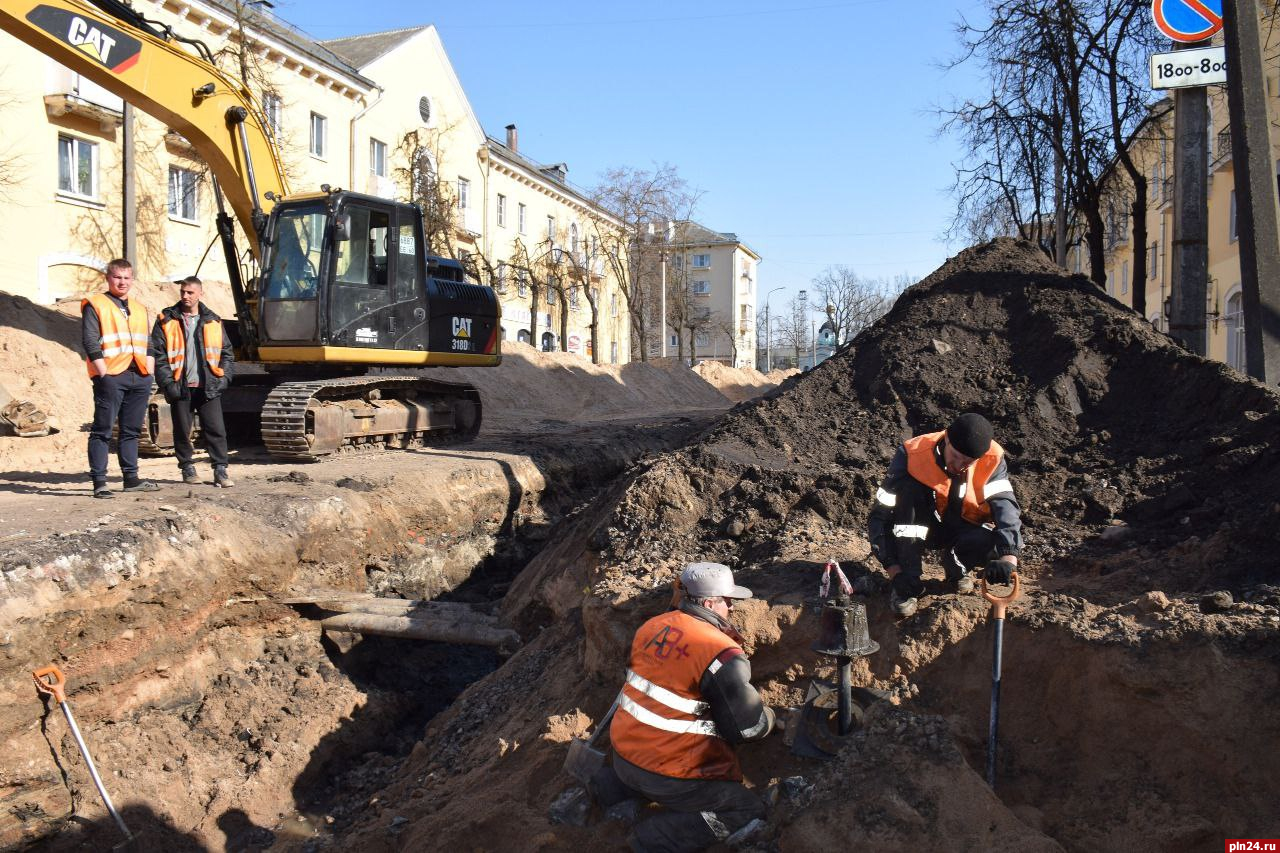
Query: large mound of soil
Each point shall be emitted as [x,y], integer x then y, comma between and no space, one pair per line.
[1146,476]
[740,383]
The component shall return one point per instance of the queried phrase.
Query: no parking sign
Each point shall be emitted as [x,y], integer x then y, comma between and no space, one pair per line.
[1187,20]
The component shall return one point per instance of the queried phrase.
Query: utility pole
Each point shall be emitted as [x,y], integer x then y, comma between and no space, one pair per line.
[1256,218]
[1190,276]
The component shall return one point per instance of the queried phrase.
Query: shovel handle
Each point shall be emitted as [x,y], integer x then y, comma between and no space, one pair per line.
[54,687]
[1000,602]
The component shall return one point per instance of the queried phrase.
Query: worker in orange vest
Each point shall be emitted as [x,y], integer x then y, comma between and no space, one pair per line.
[194,363]
[948,490]
[113,331]
[686,701]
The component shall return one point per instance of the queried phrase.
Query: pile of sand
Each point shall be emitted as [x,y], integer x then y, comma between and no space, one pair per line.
[740,383]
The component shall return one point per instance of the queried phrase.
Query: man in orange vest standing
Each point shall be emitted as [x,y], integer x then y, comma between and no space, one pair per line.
[948,490]
[194,363]
[686,701]
[113,332]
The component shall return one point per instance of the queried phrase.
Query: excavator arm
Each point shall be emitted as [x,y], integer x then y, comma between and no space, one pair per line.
[127,58]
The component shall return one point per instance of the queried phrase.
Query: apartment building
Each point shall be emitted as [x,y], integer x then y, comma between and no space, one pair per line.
[712,288]
[380,113]
[1152,150]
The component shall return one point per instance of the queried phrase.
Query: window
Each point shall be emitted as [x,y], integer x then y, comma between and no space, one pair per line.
[702,261]
[1124,277]
[573,299]
[521,219]
[551,229]
[1111,287]
[77,167]
[500,278]
[613,352]
[378,158]
[702,338]
[613,304]
[272,110]
[1153,260]
[1233,318]
[464,193]
[674,342]
[701,288]
[183,197]
[551,292]
[502,211]
[362,259]
[319,135]
[573,239]
[1232,233]
[522,283]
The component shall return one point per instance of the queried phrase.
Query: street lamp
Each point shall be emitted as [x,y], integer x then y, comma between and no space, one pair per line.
[768,331]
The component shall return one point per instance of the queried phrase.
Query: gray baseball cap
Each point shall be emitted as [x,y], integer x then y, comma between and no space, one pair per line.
[711,580]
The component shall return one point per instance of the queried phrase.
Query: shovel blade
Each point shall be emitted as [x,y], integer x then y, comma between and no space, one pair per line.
[583,760]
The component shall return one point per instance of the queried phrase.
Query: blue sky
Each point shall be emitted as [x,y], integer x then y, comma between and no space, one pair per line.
[807,125]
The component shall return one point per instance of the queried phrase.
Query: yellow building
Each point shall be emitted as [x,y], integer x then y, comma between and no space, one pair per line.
[712,286]
[382,114]
[1152,151]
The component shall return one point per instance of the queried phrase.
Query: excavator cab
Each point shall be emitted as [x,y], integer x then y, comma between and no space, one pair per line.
[346,278]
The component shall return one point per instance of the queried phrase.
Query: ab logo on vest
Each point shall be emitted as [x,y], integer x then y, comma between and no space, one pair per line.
[666,641]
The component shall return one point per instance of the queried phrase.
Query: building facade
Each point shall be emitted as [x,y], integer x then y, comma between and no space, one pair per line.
[382,113]
[711,294]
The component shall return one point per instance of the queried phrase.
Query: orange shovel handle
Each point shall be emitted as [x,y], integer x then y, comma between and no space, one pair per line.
[1000,602]
[53,688]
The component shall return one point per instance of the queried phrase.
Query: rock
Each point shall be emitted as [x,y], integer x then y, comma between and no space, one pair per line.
[940,347]
[795,787]
[736,528]
[1179,497]
[397,825]
[571,807]
[1116,533]
[747,834]
[1153,602]
[1216,602]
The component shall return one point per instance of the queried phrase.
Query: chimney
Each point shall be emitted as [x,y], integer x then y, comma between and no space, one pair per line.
[513,140]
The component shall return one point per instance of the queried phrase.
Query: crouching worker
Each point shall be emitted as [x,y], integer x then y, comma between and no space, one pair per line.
[948,491]
[687,700]
[194,362]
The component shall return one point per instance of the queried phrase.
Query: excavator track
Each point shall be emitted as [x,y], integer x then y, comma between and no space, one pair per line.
[306,421]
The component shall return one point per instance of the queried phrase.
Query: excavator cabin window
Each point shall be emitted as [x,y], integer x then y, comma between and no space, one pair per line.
[291,282]
[362,270]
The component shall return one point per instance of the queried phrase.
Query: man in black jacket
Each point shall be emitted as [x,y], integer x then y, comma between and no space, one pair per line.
[194,363]
[948,490]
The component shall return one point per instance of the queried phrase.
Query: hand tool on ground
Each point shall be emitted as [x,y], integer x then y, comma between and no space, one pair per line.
[55,688]
[584,759]
[998,606]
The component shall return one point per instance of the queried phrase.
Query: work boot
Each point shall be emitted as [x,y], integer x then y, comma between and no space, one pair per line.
[902,607]
[101,490]
[189,476]
[221,480]
[964,584]
[138,485]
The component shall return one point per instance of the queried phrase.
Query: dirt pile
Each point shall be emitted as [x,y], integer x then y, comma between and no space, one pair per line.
[740,383]
[1147,480]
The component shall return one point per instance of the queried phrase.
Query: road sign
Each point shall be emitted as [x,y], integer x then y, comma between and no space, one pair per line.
[1182,68]
[1187,20]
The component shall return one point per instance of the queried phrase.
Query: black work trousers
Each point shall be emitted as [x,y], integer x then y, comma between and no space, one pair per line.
[698,812]
[209,410]
[121,399]
[916,527]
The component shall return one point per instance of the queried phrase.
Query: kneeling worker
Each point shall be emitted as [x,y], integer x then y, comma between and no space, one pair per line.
[194,362]
[687,699]
[948,490]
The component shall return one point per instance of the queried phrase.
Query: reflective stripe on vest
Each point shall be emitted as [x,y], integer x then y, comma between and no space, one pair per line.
[175,342]
[663,722]
[123,337]
[922,465]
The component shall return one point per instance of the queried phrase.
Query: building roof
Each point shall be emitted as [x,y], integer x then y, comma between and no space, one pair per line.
[279,29]
[362,50]
[690,233]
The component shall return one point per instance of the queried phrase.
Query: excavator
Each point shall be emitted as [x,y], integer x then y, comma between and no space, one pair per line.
[341,291]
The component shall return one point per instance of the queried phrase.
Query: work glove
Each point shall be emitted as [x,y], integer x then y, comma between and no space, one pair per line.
[998,571]
[172,393]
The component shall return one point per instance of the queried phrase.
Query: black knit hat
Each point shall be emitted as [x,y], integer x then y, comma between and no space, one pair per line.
[970,434]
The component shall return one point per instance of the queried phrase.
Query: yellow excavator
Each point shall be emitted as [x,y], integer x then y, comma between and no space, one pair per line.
[342,286]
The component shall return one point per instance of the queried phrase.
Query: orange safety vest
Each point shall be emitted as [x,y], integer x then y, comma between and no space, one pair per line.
[175,341]
[923,468]
[123,337]
[662,723]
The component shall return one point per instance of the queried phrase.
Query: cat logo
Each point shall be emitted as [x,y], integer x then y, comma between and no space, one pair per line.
[104,45]
[462,327]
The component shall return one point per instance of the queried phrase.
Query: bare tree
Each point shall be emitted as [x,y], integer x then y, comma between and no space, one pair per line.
[633,207]
[727,325]
[418,152]
[852,302]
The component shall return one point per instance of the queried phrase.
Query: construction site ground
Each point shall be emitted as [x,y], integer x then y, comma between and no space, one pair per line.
[1140,667]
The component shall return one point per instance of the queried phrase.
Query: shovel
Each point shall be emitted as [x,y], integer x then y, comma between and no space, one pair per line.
[584,759]
[998,605]
[54,688]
